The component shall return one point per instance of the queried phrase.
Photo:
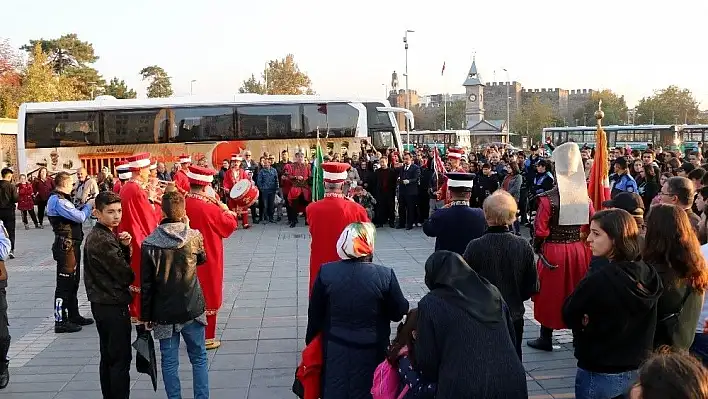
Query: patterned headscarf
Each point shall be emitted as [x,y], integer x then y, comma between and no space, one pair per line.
[356,241]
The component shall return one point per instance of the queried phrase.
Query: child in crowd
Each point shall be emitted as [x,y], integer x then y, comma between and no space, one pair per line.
[365,199]
[401,355]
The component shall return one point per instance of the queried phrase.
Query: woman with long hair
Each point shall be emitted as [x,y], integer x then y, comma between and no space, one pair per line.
[671,374]
[612,312]
[512,185]
[673,250]
[648,184]
[43,185]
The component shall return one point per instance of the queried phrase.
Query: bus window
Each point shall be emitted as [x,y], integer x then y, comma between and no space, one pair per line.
[202,124]
[383,139]
[375,118]
[61,129]
[341,118]
[268,122]
[140,126]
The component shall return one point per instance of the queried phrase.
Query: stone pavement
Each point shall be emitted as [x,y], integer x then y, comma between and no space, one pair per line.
[261,324]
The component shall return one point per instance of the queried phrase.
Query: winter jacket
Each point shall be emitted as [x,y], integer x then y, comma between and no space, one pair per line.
[26,196]
[170,289]
[43,188]
[107,272]
[267,179]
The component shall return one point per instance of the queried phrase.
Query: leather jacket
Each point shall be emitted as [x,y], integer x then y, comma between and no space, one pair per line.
[170,290]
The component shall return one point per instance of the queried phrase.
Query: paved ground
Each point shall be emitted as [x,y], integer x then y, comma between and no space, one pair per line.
[261,324]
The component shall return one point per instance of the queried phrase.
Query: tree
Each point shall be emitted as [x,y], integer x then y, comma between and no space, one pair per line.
[72,58]
[667,107]
[533,116]
[282,77]
[40,85]
[119,89]
[614,107]
[10,79]
[455,115]
[160,84]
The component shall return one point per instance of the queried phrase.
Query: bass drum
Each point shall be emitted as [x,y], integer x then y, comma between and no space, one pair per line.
[244,193]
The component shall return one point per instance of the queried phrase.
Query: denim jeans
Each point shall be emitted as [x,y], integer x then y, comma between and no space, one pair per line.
[267,204]
[699,348]
[590,385]
[193,334]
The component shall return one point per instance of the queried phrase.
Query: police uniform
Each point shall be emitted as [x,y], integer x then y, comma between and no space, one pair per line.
[456,225]
[622,183]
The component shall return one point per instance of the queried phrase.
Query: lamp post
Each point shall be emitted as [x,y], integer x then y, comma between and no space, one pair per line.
[408,95]
[191,87]
[508,120]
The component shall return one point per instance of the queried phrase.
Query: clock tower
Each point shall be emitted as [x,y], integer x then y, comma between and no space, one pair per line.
[474,103]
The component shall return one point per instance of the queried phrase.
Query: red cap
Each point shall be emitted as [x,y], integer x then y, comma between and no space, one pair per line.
[200,176]
[335,172]
[121,165]
[139,161]
[455,153]
[185,158]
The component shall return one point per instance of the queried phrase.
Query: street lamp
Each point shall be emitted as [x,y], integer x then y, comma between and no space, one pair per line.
[508,120]
[191,87]
[408,94]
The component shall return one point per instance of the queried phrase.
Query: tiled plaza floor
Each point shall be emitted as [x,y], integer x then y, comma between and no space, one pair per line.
[261,324]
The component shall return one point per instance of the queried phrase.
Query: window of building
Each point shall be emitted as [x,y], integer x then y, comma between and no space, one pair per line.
[61,129]
[202,124]
[138,126]
[268,122]
[340,120]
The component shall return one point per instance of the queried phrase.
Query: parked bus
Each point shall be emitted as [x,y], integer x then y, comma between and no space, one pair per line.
[442,139]
[691,135]
[635,137]
[65,135]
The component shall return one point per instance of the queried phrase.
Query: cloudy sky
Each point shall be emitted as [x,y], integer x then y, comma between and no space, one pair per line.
[350,48]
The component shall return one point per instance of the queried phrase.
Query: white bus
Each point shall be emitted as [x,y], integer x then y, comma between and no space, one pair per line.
[65,135]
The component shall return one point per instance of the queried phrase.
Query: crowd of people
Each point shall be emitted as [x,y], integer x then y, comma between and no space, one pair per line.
[628,280]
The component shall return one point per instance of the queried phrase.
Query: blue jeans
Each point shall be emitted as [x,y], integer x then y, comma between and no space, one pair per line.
[700,347]
[193,334]
[589,385]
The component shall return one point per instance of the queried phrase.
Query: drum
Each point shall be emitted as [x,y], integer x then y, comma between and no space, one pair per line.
[244,193]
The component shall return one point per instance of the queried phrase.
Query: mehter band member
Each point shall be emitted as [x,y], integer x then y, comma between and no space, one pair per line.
[123,171]
[231,177]
[67,223]
[563,255]
[296,187]
[180,178]
[457,224]
[214,220]
[454,156]
[328,217]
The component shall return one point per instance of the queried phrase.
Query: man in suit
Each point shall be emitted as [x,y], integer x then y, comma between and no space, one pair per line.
[408,178]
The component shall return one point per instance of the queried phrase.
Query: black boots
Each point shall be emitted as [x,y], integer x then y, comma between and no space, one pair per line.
[4,363]
[544,342]
[61,327]
[81,320]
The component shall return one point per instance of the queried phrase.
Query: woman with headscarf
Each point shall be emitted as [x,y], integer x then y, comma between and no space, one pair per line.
[352,305]
[465,336]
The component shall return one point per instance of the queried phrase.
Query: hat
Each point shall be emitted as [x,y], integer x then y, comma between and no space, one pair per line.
[335,172]
[458,181]
[200,176]
[138,161]
[236,157]
[184,158]
[356,241]
[455,153]
[630,202]
[121,166]
[534,147]
[153,165]
[572,187]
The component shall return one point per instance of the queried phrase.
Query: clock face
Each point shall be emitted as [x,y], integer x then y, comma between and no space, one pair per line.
[473,97]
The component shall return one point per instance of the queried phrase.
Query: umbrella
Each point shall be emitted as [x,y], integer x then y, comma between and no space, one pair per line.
[145,361]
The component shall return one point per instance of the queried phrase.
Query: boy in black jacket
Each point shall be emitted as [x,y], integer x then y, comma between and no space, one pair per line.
[107,275]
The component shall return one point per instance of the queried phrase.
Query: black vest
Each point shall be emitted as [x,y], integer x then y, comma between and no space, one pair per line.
[64,227]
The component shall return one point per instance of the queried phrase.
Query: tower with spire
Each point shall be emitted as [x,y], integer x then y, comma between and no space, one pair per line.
[474,89]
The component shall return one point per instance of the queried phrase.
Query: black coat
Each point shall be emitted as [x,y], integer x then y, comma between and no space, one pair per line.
[454,227]
[352,305]
[107,272]
[413,177]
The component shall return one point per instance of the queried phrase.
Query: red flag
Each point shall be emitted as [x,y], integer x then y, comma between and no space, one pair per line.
[438,166]
[599,186]
[443,69]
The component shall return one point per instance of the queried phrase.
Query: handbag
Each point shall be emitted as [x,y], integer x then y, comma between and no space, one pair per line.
[667,325]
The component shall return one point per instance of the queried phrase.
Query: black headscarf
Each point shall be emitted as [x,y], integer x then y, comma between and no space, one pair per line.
[450,278]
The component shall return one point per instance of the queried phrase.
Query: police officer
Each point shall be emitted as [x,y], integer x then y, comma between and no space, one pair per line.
[67,221]
[457,224]
[5,250]
[621,180]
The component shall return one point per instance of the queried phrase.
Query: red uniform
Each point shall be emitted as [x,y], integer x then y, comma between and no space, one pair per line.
[327,219]
[138,220]
[562,247]
[444,193]
[215,225]
[117,186]
[231,177]
[297,187]
[181,181]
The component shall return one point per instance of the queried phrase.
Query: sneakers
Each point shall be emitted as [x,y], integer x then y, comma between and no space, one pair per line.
[66,327]
[11,255]
[81,321]
[4,374]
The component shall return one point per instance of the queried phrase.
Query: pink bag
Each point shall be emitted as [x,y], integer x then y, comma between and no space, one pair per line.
[386,381]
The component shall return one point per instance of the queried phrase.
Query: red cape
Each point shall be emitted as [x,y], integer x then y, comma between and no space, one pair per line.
[215,225]
[327,219]
[309,372]
[138,220]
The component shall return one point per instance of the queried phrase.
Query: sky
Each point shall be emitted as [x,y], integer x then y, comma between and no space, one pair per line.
[351,48]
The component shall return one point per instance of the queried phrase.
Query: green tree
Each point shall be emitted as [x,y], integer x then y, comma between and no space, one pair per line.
[39,84]
[160,84]
[533,116]
[455,116]
[614,107]
[667,107]
[282,77]
[118,89]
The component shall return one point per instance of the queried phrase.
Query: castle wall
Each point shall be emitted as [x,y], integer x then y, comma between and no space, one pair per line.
[495,99]
[576,101]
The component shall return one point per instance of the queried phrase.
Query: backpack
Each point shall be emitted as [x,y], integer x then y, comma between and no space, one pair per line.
[387,382]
